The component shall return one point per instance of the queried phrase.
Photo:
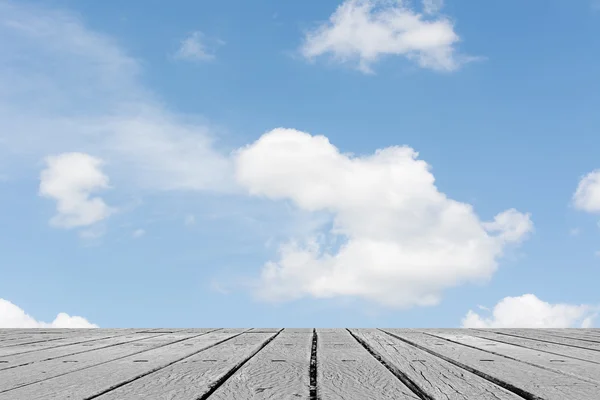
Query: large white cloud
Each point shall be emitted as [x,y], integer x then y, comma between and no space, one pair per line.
[395,238]
[11,316]
[587,195]
[528,311]
[70,179]
[366,30]
[66,88]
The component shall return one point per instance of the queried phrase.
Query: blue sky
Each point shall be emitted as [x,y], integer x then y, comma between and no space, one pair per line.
[323,164]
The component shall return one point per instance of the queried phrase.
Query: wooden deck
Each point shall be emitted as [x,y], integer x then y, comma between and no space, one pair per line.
[259,363]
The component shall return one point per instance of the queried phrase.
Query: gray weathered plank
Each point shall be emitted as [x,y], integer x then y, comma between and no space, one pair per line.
[574,333]
[513,375]
[551,348]
[575,368]
[102,378]
[557,333]
[437,378]
[541,336]
[24,340]
[36,372]
[193,377]
[4,340]
[346,370]
[13,361]
[63,341]
[39,335]
[279,371]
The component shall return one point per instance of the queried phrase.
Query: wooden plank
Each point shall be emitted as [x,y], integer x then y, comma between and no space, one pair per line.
[279,371]
[196,376]
[575,368]
[30,337]
[36,372]
[102,378]
[552,333]
[264,330]
[550,348]
[346,370]
[518,377]
[431,375]
[573,333]
[17,360]
[4,340]
[66,341]
[544,337]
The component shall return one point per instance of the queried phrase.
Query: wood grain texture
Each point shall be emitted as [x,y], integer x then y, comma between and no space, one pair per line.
[574,333]
[35,372]
[15,360]
[550,348]
[513,375]
[435,377]
[102,378]
[35,345]
[192,378]
[269,363]
[546,337]
[279,371]
[575,368]
[346,370]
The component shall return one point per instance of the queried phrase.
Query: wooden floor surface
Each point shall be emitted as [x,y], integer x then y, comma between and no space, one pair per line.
[274,363]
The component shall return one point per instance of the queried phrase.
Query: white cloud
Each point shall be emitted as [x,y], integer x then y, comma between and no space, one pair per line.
[70,179]
[432,6]
[67,88]
[528,311]
[11,316]
[395,239]
[189,220]
[195,48]
[587,195]
[366,30]
[138,233]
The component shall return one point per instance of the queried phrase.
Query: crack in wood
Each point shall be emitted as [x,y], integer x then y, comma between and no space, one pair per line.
[312,371]
[393,369]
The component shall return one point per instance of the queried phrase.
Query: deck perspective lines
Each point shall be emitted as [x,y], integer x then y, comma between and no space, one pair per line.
[75,352]
[104,362]
[213,387]
[393,369]
[154,370]
[87,340]
[530,346]
[192,378]
[302,363]
[533,364]
[548,340]
[523,393]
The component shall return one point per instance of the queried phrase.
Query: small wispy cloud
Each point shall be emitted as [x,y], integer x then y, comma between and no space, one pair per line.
[189,220]
[198,47]
[138,233]
[432,6]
